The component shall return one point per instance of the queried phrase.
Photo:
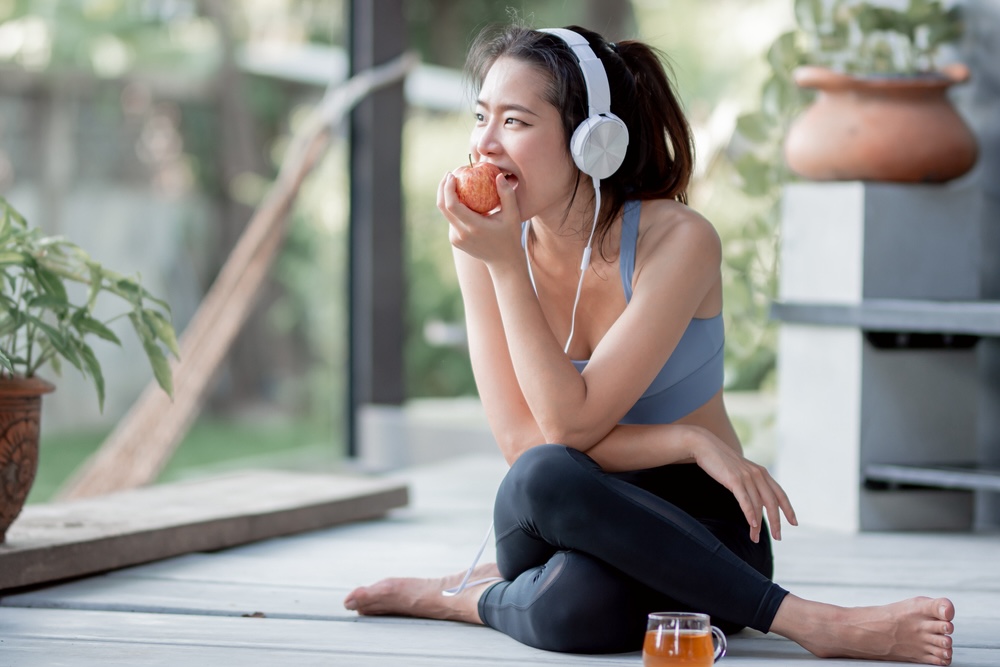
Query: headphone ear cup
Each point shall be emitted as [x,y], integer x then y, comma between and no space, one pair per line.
[598,145]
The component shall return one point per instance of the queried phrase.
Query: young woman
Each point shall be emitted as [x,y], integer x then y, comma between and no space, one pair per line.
[645,501]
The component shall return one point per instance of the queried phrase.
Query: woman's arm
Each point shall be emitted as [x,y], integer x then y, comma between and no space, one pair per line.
[678,266]
[633,447]
[624,447]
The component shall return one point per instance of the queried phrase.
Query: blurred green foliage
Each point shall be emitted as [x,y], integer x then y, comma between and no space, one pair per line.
[874,38]
[712,47]
[849,35]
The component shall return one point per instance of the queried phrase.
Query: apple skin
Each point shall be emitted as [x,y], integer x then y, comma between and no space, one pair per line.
[477,186]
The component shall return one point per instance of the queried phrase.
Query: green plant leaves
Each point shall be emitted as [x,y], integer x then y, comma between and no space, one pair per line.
[162,329]
[784,54]
[85,324]
[755,126]
[94,369]
[40,324]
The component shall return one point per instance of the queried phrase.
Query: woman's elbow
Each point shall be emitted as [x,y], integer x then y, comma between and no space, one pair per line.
[512,446]
[571,436]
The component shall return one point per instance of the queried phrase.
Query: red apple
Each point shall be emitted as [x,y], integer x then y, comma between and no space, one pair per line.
[477,186]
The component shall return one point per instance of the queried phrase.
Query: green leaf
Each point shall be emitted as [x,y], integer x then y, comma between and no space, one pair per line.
[130,290]
[755,127]
[51,283]
[59,343]
[756,175]
[161,367]
[49,302]
[809,14]
[96,281]
[55,365]
[5,362]
[784,54]
[11,258]
[94,367]
[163,329]
[781,98]
[87,324]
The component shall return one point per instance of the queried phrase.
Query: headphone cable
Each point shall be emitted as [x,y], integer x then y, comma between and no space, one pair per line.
[585,262]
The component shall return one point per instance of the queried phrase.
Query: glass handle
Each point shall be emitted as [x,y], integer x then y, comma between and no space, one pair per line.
[720,650]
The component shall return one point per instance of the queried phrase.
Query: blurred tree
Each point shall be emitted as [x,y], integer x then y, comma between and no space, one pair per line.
[442,29]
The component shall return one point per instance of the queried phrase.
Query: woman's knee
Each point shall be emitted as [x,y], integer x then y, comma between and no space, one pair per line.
[576,604]
[546,475]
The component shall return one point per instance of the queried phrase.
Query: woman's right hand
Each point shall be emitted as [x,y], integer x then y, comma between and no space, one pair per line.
[491,238]
[749,482]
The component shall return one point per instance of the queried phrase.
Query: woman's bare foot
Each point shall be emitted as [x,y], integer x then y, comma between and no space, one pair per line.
[915,630]
[422,597]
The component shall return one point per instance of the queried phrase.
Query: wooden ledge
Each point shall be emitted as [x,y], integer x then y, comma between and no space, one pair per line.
[62,540]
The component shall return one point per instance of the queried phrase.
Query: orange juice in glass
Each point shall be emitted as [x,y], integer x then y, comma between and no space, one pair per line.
[675,638]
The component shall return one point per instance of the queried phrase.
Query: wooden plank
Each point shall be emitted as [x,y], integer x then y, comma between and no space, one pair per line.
[205,598]
[949,561]
[54,637]
[306,575]
[72,653]
[394,641]
[70,539]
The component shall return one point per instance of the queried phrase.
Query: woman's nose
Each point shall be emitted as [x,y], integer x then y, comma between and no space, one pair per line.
[485,141]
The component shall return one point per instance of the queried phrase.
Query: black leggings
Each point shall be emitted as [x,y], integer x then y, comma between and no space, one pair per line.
[587,554]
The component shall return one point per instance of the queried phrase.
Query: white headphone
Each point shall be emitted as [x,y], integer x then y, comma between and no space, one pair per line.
[598,144]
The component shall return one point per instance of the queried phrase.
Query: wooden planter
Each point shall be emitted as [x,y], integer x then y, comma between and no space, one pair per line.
[20,413]
[900,129]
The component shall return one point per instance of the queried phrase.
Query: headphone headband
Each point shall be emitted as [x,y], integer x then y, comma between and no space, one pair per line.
[599,143]
[594,75]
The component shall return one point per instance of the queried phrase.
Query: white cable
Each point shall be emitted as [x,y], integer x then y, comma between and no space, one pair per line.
[449,592]
[584,263]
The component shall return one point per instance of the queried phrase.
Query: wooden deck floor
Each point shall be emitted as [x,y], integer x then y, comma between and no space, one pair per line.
[278,602]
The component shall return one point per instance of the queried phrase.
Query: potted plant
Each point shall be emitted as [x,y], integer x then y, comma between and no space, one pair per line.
[43,324]
[881,112]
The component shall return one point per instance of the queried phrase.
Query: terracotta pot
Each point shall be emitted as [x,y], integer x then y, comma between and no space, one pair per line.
[20,412]
[898,129]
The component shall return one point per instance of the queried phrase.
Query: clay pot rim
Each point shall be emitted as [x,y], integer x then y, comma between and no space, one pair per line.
[826,79]
[24,386]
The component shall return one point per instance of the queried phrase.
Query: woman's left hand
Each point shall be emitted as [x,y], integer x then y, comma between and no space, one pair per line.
[751,484]
[491,238]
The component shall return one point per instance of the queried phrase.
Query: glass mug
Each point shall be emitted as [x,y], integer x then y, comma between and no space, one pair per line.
[675,638]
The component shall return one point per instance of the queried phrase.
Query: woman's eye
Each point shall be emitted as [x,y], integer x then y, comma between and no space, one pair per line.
[480,118]
[513,121]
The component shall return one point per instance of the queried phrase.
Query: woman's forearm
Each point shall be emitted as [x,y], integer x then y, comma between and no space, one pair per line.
[639,446]
[551,386]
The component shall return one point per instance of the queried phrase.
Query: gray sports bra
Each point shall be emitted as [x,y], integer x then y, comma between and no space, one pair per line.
[694,372]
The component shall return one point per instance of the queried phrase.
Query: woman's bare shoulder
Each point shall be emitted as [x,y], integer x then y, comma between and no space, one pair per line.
[670,227]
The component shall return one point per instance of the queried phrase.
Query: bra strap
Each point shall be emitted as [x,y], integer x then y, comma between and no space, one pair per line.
[626,251]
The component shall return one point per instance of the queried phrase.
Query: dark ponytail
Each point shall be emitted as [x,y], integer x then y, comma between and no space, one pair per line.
[660,156]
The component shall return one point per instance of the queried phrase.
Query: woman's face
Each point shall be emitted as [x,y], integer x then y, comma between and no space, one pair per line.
[518,130]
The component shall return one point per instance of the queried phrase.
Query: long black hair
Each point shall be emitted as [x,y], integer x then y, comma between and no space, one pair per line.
[660,156]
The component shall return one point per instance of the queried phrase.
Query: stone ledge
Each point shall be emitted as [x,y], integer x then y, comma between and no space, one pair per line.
[58,541]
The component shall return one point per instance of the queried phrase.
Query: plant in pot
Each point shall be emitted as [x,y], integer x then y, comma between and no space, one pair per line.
[43,325]
[881,111]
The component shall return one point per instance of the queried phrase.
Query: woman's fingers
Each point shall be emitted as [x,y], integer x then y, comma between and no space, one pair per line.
[760,493]
[749,509]
[776,503]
